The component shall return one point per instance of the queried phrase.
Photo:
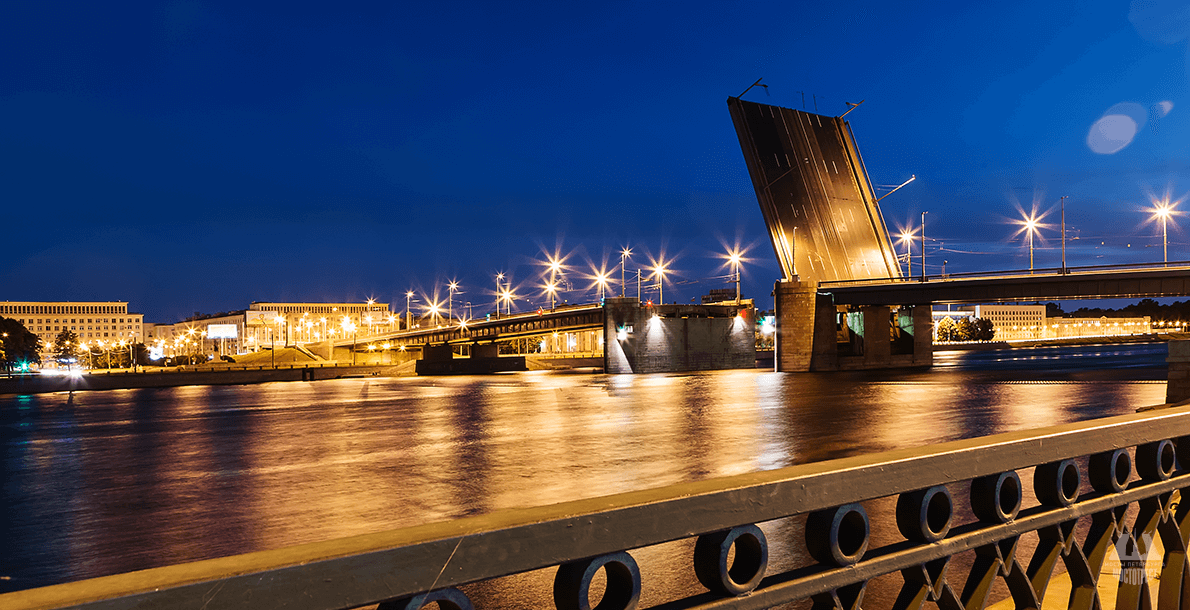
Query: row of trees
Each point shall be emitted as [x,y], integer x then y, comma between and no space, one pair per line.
[965,329]
[68,352]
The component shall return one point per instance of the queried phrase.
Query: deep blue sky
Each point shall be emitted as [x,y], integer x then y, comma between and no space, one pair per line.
[195,156]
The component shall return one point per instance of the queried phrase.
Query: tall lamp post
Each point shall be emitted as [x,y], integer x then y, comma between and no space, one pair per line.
[907,239]
[1031,228]
[923,246]
[450,306]
[624,254]
[499,278]
[408,312]
[1063,202]
[734,257]
[555,268]
[659,271]
[1163,211]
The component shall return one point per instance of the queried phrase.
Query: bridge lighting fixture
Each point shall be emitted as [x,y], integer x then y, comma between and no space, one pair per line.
[659,273]
[1163,210]
[734,257]
[907,239]
[452,288]
[624,254]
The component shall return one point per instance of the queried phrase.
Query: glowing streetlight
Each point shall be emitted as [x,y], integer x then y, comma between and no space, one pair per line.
[499,279]
[923,246]
[734,258]
[601,280]
[507,296]
[552,288]
[1164,210]
[907,239]
[453,287]
[1062,201]
[408,312]
[1030,224]
[659,273]
[624,254]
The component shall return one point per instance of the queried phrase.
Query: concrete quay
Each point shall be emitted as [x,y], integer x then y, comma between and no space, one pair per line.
[164,378]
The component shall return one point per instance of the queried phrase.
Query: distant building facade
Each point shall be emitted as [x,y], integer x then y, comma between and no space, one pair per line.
[267,325]
[1023,322]
[92,321]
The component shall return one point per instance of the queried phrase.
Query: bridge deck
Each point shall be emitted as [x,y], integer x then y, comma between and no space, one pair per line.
[1042,285]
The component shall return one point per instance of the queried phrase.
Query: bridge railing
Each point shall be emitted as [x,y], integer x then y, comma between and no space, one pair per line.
[1039,271]
[1120,474]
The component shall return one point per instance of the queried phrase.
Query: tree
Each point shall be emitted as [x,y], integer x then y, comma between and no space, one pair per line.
[66,348]
[984,330]
[946,329]
[21,347]
[965,330]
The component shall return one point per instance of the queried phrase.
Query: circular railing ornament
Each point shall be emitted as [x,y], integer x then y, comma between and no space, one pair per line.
[1056,483]
[838,535]
[744,574]
[925,515]
[1156,461]
[1109,471]
[996,498]
[447,599]
[572,583]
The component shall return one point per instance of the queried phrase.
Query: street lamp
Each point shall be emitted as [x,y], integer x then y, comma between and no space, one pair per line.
[408,312]
[507,297]
[624,254]
[451,289]
[601,281]
[923,246]
[659,273]
[499,279]
[907,239]
[1031,228]
[552,288]
[734,258]
[1063,202]
[1163,211]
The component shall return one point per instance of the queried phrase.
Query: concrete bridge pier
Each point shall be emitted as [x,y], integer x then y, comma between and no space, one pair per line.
[811,329]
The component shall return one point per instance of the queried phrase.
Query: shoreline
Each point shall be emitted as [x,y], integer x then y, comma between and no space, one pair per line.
[1104,340]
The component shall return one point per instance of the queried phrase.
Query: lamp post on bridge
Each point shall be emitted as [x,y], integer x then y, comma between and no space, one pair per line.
[499,278]
[907,239]
[659,273]
[734,258]
[451,289]
[1163,210]
[1062,201]
[624,254]
[923,246]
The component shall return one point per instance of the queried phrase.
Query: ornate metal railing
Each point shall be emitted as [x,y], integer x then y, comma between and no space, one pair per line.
[408,568]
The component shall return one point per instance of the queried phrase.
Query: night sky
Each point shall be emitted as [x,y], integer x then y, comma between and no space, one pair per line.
[193,156]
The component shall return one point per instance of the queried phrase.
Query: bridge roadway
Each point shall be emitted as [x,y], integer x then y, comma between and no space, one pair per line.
[1118,281]
[567,318]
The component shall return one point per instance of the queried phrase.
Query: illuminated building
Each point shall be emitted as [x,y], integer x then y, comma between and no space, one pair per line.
[1024,322]
[266,325]
[92,321]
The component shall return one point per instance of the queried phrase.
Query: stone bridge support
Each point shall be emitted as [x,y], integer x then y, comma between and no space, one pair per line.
[809,333]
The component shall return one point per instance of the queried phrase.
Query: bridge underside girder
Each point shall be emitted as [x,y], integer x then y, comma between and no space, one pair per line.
[1165,282]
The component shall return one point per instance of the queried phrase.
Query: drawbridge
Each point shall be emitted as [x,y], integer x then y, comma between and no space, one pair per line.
[814,192]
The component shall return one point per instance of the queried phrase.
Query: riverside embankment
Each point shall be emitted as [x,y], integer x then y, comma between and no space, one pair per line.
[174,377]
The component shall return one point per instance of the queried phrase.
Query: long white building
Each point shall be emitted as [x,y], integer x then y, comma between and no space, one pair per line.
[92,321]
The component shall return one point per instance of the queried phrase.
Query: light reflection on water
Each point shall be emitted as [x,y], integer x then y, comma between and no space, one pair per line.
[106,482]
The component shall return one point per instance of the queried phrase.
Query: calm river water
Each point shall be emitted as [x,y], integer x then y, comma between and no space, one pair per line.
[106,482]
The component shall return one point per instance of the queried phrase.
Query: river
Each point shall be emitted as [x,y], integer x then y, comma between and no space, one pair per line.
[112,481]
